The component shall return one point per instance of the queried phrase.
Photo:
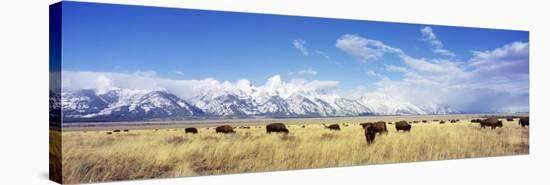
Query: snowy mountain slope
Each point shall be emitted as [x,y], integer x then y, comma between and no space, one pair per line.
[124,104]
[271,100]
[381,104]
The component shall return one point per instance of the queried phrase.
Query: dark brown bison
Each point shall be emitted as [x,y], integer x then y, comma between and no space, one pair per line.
[276,127]
[332,127]
[224,129]
[476,121]
[191,130]
[126,130]
[303,126]
[390,123]
[416,121]
[524,121]
[453,121]
[109,133]
[116,130]
[379,126]
[402,125]
[442,122]
[370,132]
[424,121]
[492,122]
[509,118]
[244,127]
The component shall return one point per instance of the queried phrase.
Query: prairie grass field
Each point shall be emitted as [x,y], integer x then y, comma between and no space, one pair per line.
[92,156]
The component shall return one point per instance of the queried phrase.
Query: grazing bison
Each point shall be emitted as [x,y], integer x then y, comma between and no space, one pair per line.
[116,130]
[492,122]
[453,121]
[424,121]
[415,121]
[390,123]
[402,125]
[109,133]
[509,119]
[244,127]
[476,121]
[126,130]
[224,129]
[191,130]
[303,126]
[379,127]
[524,121]
[332,127]
[276,127]
[370,132]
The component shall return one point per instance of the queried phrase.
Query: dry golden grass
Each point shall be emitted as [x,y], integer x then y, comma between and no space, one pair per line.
[95,156]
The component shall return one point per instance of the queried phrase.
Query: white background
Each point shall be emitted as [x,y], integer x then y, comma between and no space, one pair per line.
[24,94]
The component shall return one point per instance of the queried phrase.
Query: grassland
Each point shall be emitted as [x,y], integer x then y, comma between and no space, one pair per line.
[91,156]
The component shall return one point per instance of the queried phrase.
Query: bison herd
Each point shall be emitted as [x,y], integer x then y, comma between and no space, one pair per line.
[371,129]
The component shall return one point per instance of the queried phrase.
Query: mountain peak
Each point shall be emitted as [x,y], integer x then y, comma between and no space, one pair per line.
[240,100]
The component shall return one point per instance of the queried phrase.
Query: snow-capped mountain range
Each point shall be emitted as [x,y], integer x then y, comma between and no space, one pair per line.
[238,101]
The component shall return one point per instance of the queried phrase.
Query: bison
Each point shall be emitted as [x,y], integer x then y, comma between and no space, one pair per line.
[191,130]
[224,129]
[402,125]
[453,121]
[276,127]
[424,121]
[379,127]
[442,122]
[524,121]
[509,119]
[116,130]
[332,127]
[492,122]
[126,130]
[370,132]
[476,121]
[109,133]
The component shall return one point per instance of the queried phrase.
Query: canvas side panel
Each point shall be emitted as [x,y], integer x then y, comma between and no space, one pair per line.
[55,117]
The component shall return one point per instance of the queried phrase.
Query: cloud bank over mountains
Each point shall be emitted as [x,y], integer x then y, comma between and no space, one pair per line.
[495,80]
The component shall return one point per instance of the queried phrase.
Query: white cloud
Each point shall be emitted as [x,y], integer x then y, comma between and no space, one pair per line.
[145,73]
[323,54]
[103,81]
[300,45]
[303,72]
[375,74]
[437,46]
[364,49]
[394,68]
[496,80]
[510,58]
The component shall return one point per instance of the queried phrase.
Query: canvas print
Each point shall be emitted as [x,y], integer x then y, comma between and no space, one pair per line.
[142,92]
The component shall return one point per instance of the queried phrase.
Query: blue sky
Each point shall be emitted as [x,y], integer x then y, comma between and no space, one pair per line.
[193,44]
